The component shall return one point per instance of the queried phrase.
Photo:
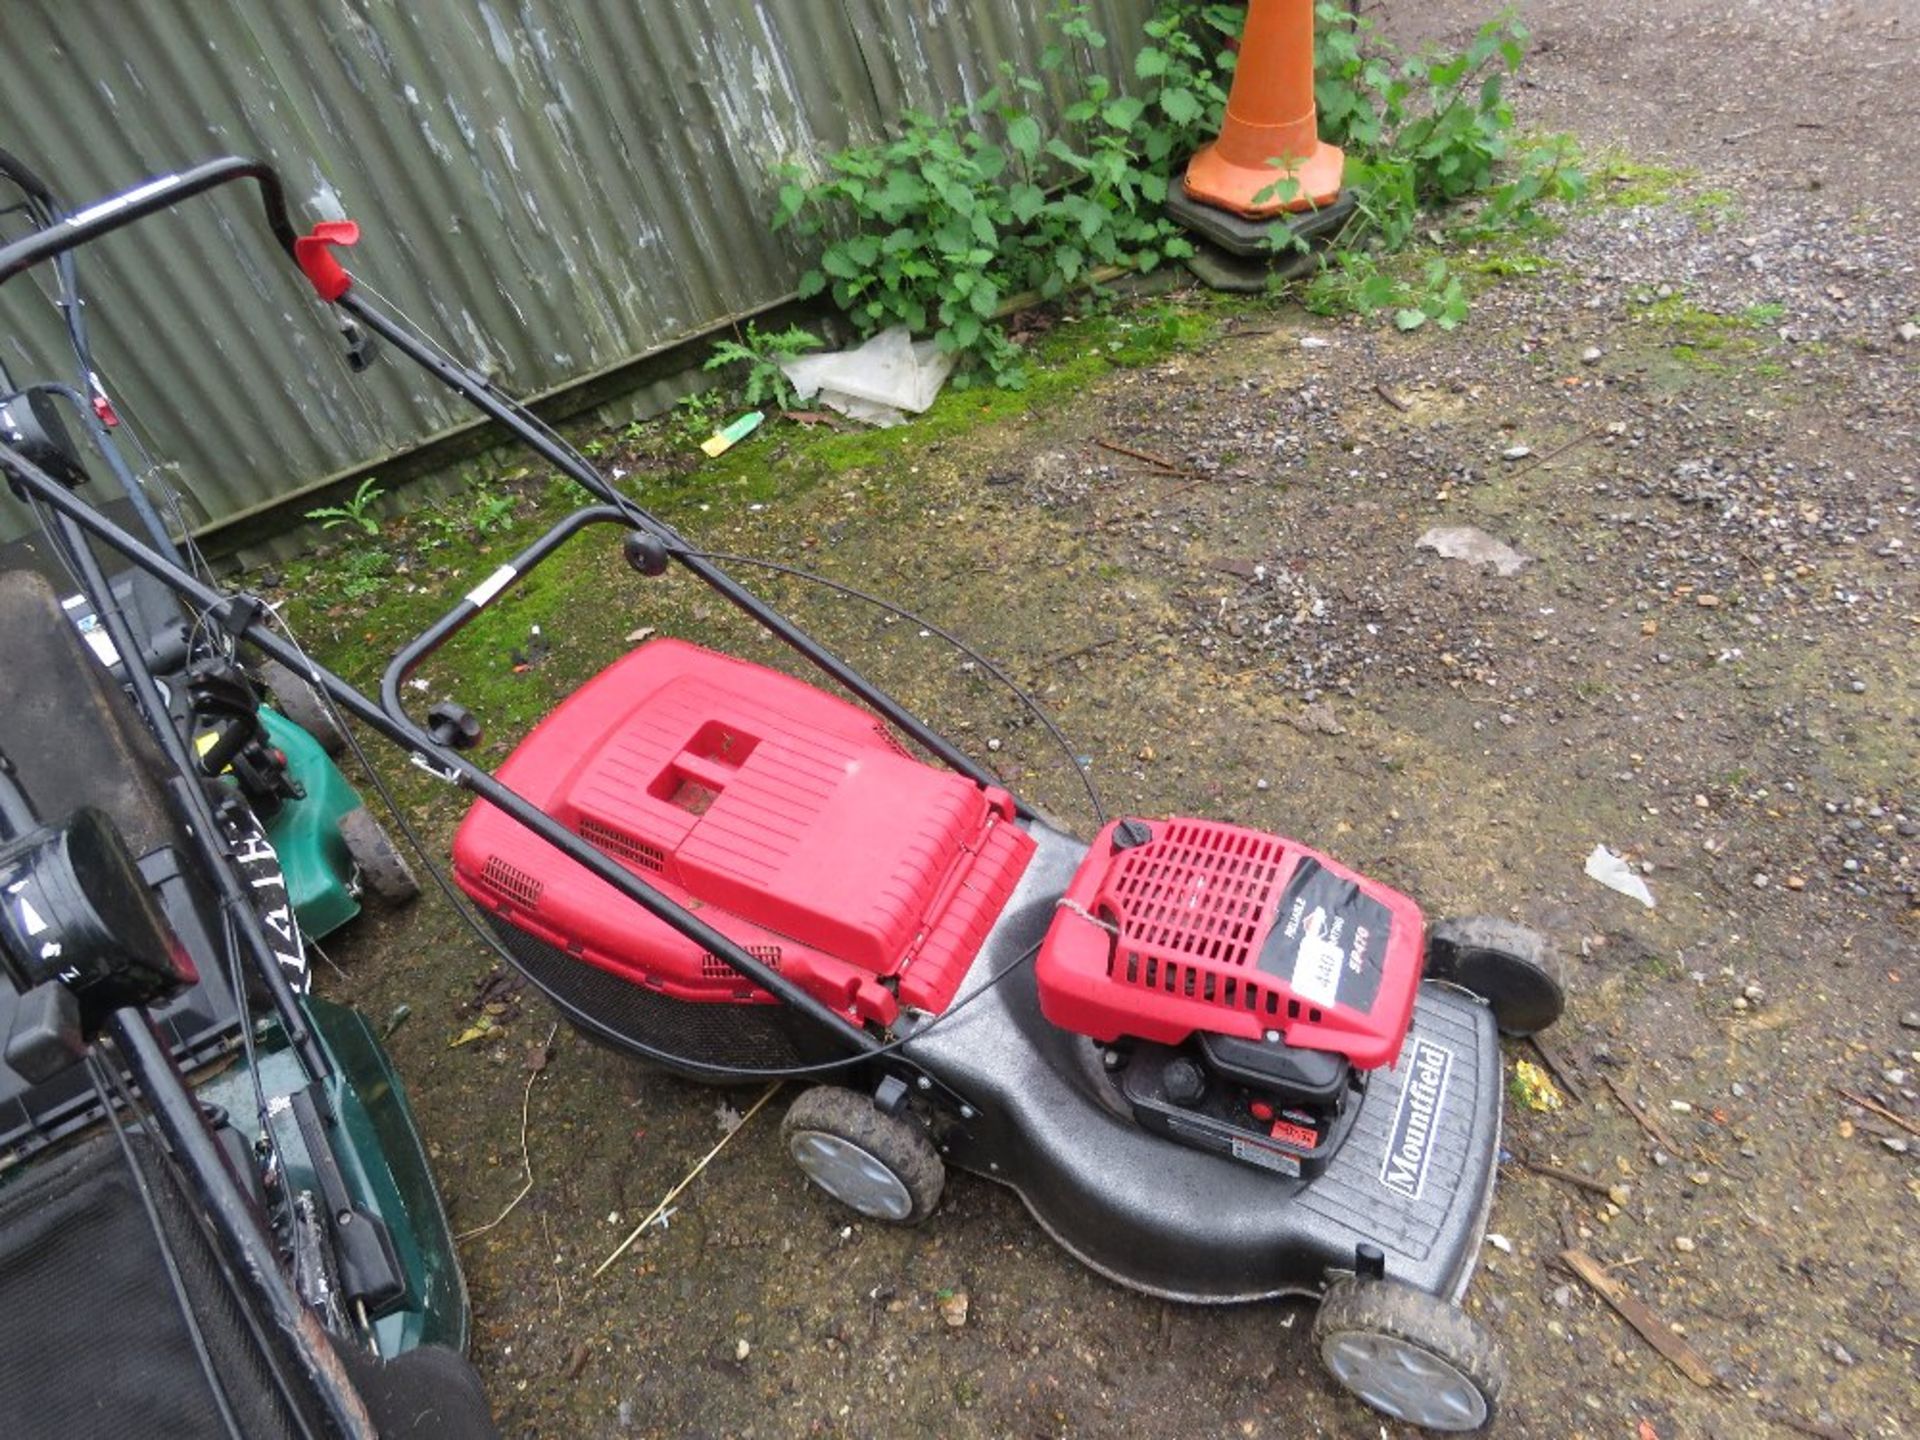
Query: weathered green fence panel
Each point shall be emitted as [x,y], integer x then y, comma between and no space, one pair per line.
[554,188]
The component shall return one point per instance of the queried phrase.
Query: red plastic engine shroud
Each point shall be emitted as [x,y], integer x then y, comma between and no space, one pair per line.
[788,819]
[1213,927]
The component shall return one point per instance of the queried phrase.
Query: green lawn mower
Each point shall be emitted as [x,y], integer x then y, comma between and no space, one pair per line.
[216,1214]
[335,857]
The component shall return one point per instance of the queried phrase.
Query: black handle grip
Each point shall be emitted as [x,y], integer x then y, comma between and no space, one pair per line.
[106,216]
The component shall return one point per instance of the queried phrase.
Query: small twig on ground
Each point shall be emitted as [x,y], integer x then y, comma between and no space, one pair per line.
[1641,1117]
[559,1298]
[1380,389]
[534,1072]
[1810,1427]
[1555,453]
[1197,481]
[1878,1109]
[1562,1071]
[1571,1177]
[1148,457]
[1652,1329]
[1569,1231]
[692,1175]
[314,946]
[1079,650]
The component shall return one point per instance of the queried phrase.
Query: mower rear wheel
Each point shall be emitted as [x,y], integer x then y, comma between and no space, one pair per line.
[884,1166]
[295,698]
[1512,968]
[383,870]
[1410,1355]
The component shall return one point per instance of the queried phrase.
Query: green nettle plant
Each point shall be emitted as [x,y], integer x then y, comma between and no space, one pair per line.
[940,227]
[1424,134]
[762,352]
[960,216]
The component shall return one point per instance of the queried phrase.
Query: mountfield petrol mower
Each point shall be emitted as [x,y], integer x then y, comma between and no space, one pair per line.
[1216,1064]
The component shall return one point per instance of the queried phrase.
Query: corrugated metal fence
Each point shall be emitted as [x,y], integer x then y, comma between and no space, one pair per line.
[553,188]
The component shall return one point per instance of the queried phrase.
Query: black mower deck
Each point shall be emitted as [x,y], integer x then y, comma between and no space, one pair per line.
[1415,1178]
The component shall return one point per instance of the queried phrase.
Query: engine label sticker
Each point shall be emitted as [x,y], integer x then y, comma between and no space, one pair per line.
[1423,1094]
[1329,939]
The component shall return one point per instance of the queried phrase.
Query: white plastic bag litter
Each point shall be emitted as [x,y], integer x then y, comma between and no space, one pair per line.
[1614,873]
[880,382]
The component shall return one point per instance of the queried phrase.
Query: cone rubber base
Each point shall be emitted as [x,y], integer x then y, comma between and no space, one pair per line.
[1253,239]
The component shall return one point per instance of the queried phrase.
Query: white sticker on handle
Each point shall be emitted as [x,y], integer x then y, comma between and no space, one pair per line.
[491,586]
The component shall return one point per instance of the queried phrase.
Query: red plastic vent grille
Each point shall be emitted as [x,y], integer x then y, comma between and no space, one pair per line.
[622,846]
[1192,905]
[893,741]
[712,967]
[511,881]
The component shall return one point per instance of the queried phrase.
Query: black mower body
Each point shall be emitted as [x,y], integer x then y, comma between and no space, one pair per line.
[1415,1177]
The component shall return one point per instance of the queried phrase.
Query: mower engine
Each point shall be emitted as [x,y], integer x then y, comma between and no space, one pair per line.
[1243,984]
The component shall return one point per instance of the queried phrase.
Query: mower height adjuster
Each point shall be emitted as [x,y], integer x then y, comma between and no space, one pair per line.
[890,1095]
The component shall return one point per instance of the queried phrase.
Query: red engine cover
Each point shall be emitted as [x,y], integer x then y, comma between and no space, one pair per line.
[789,819]
[1211,927]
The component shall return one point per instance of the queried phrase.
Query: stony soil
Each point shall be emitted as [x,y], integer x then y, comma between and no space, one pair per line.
[1695,413]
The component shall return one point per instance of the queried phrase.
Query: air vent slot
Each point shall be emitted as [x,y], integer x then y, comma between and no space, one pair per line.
[712,967]
[1194,902]
[623,846]
[511,881]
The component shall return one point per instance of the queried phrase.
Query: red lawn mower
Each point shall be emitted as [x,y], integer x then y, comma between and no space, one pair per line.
[1216,1064]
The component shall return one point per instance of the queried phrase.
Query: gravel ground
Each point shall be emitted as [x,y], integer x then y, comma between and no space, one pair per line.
[1696,415]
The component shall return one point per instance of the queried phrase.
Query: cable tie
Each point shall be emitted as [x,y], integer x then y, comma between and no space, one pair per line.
[1068,903]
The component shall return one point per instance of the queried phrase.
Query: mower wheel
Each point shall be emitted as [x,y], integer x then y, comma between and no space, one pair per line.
[1410,1355]
[1509,966]
[384,872]
[884,1166]
[295,698]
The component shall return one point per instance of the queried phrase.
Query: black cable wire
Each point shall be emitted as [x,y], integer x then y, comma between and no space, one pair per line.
[1032,705]
[626,505]
[97,1071]
[236,978]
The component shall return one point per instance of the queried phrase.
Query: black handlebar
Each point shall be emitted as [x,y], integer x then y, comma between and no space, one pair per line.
[110,214]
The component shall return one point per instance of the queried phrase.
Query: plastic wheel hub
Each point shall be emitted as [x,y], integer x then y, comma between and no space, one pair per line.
[854,1176]
[1405,1381]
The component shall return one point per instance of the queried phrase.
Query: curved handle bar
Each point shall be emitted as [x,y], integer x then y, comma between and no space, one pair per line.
[115,211]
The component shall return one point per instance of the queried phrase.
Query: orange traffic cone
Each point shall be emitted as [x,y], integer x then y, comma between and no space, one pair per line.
[1270,134]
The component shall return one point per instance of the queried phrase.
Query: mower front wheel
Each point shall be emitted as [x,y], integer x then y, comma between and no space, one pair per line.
[295,698]
[884,1166]
[383,871]
[1512,968]
[1410,1355]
